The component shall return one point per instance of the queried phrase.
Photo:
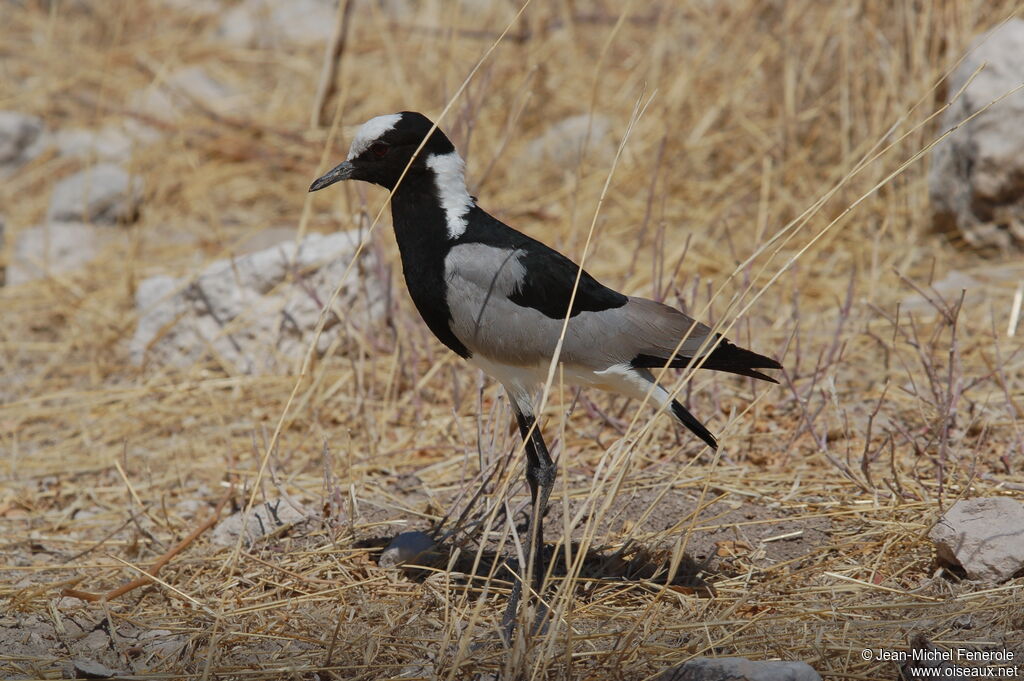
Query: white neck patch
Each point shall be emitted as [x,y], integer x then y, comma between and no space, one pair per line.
[370,131]
[450,177]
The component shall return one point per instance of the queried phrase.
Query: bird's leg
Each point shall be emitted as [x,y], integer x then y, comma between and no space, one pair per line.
[540,474]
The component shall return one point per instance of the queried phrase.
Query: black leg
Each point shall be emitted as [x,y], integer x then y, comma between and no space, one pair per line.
[540,474]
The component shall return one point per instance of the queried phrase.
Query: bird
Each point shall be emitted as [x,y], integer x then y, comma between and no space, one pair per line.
[499,299]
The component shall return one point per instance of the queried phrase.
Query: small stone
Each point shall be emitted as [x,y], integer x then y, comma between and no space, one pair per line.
[104,193]
[984,537]
[259,522]
[406,548]
[91,669]
[52,249]
[739,669]
[97,639]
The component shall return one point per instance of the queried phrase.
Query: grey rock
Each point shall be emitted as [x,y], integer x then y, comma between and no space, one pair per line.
[976,182]
[268,24]
[566,142]
[985,537]
[91,669]
[104,193]
[259,522]
[251,312]
[406,548]
[106,144]
[739,669]
[97,639]
[54,248]
[20,135]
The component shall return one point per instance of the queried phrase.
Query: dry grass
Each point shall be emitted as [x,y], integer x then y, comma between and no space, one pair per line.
[811,520]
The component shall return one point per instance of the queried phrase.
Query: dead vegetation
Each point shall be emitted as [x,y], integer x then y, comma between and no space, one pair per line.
[775,184]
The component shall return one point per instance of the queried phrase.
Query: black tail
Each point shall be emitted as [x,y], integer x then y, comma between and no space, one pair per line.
[698,429]
[726,357]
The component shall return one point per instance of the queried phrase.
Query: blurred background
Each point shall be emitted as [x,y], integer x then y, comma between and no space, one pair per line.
[786,176]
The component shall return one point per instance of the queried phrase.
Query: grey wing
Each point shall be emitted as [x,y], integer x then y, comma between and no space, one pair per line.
[481,281]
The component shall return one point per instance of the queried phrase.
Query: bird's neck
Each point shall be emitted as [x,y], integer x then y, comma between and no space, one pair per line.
[432,206]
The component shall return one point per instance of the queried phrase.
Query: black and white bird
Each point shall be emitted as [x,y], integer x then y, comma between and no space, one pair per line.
[499,298]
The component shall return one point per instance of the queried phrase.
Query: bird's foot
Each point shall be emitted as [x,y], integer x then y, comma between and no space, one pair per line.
[511,617]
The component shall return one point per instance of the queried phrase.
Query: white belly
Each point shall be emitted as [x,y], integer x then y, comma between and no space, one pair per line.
[523,382]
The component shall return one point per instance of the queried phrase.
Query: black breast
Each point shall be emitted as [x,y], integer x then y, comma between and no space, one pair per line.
[422,235]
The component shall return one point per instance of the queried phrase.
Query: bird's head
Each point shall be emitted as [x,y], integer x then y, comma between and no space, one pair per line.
[383,147]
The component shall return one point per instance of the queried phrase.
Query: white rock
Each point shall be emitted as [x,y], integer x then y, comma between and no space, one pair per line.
[54,248]
[106,144]
[168,98]
[20,135]
[406,548]
[104,193]
[739,669]
[260,521]
[562,143]
[267,23]
[251,312]
[976,180]
[983,536]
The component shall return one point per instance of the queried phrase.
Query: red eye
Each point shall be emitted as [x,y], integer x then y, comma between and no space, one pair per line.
[378,149]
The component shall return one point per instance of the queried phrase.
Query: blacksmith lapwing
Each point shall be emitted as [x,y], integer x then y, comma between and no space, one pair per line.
[498,299]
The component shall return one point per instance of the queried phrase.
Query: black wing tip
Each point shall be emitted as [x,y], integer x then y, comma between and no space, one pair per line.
[726,357]
[763,377]
[732,355]
[695,426]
